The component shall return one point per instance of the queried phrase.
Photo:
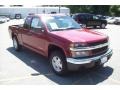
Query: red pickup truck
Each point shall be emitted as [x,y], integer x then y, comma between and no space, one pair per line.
[62,41]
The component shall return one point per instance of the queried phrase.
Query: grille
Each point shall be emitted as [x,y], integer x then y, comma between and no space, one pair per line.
[99,51]
[97,42]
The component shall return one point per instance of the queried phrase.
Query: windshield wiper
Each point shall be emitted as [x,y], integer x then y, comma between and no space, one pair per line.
[72,28]
[59,29]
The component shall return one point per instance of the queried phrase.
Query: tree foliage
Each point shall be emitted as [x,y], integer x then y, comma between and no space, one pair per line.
[115,10]
[96,9]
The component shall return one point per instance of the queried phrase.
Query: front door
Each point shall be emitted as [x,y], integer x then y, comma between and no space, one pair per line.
[38,37]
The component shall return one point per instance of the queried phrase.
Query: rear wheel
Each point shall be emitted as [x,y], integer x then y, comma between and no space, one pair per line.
[16,45]
[102,26]
[58,63]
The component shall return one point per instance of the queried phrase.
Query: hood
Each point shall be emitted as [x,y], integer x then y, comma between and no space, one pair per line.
[80,35]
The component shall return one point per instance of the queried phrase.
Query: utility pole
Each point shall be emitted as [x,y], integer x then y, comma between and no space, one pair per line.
[59,8]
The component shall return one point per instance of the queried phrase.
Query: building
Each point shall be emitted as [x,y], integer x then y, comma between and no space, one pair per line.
[22,12]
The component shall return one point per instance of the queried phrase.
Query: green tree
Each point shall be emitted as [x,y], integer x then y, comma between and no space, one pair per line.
[100,9]
[96,9]
[79,8]
[115,10]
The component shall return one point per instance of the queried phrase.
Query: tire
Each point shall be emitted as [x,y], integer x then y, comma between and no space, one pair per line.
[58,63]
[102,26]
[16,44]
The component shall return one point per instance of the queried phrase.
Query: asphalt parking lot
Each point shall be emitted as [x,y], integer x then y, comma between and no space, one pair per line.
[27,67]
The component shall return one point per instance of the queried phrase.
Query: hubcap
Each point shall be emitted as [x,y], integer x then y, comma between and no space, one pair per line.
[15,43]
[103,25]
[57,63]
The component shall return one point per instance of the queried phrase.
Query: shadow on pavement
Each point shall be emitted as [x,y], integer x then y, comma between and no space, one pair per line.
[41,65]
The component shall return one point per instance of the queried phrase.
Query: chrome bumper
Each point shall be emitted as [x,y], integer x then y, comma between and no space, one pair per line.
[81,61]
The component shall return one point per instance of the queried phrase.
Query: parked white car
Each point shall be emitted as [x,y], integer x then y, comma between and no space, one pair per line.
[117,21]
[111,20]
[4,19]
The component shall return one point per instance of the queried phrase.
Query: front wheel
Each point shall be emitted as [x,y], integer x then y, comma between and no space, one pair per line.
[58,63]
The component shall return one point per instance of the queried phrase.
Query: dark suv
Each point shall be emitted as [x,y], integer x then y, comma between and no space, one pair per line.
[86,19]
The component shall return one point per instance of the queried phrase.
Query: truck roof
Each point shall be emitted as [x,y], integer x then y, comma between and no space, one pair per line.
[48,15]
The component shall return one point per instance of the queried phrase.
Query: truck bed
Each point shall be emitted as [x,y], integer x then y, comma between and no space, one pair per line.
[15,29]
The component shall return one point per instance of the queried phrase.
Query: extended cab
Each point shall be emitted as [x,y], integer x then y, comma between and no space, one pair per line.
[63,41]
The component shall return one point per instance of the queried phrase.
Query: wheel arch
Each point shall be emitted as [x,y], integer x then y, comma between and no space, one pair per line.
[53,47]
[13,35]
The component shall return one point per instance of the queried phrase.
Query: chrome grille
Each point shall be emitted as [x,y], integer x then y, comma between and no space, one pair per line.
[99,51]
[97,42]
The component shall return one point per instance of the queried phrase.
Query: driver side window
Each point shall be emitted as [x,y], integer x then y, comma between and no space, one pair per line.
[36,23]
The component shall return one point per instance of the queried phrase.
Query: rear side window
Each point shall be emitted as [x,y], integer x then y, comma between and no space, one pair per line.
[27,22]
[82,17]
[89,17]
[95,17]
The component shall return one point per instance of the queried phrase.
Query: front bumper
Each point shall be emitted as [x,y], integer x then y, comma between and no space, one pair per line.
[75,64]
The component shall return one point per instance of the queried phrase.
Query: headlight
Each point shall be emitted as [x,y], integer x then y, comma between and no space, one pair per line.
[80,53]
[75,45]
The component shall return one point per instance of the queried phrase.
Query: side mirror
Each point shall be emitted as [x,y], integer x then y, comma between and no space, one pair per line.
[39,29]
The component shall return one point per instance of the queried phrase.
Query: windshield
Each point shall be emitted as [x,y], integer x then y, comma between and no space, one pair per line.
[55,23]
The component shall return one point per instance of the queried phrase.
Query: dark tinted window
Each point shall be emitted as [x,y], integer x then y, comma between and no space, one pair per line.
[89,16]
[81,16]
[27,22]
[95,17]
